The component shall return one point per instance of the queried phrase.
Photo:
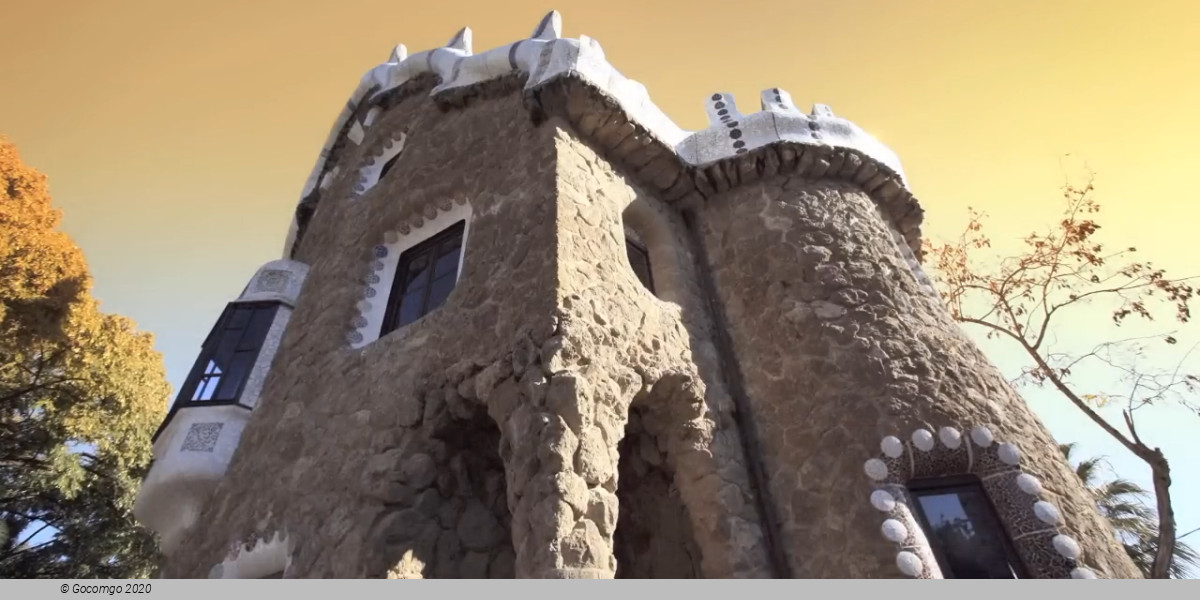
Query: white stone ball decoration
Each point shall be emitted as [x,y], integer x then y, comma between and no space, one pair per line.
[910,564]
[923,440]
[1029,484]
[1009,454]
[1066,546]
[892,446]
[1046,512]
[982,436]
[894,530]
[883,501]
[1082,573]
[875,469]
[950,437]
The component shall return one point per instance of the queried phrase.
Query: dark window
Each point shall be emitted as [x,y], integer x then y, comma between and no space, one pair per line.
[967,536]
[387,166]
[424,278]
[229,353]
[639,259]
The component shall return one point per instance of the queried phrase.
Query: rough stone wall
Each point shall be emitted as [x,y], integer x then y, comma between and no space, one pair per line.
[360,456]
[618,345]
[839,347]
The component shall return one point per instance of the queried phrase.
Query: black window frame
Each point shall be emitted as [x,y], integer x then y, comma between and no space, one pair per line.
[928,486]
[187,391]
[388,164]
[633,247]
[432,248]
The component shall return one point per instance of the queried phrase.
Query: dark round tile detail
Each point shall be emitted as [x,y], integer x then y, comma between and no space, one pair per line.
[739,144]
[719,105]
[735,134]
[716,97]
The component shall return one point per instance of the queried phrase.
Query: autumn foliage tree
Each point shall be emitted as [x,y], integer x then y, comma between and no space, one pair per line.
[1024,298]
[81,393]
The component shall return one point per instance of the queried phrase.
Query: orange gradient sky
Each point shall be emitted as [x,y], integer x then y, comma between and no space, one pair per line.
[177,135]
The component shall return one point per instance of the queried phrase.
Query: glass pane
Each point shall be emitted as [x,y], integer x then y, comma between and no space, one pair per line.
[410,307]
[640,262]
[439,290]
[963,526]
[226,346]
[239,368]
[207,384]
[451,238]
[239,318]
[256,331]
[448,263]
[212,369]
[418,268]
[206,387]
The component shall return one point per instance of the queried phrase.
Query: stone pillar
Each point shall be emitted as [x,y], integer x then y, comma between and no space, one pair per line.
[840,348]
[560,466]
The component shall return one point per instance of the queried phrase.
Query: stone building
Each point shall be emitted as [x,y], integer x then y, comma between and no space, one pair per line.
[526,326]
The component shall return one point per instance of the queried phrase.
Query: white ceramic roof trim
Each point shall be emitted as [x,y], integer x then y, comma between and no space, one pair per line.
[546,56]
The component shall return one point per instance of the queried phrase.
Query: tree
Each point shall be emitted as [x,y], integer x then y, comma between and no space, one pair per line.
[1136,525]
[81,393]
[1023,298]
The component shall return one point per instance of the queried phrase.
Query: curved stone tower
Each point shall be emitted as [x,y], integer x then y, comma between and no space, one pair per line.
[526,326]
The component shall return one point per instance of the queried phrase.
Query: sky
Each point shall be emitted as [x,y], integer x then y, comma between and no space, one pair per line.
[177,136]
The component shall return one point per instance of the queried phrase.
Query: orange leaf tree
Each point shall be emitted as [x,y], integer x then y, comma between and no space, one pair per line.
[1023,299]
[81,393]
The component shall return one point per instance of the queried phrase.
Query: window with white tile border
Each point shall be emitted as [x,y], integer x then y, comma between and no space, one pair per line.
[380,277]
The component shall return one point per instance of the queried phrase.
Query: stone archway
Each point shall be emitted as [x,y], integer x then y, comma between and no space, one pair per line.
[453,520]
[653,538]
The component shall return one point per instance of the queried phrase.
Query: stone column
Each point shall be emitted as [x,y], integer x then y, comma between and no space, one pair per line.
[560,458]
[841,347]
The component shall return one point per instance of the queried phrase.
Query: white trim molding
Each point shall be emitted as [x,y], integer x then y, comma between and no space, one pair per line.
[369,175]
[256,560]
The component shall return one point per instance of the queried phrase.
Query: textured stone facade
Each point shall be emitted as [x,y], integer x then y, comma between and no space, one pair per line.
[555,418]
[841,347]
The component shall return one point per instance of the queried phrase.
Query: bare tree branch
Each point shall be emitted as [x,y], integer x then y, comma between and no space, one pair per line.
[1023,296]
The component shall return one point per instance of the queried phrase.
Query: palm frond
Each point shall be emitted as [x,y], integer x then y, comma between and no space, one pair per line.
[1123,487]
[1134,522]
[1087,470]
